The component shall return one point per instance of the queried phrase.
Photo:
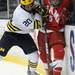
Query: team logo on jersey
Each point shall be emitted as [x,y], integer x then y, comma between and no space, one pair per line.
[27,22]
[55,14]
[2,49]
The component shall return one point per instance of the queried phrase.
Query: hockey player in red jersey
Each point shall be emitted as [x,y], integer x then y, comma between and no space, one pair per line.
[55,18]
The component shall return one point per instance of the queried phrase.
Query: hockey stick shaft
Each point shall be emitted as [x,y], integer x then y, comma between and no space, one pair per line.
[47,48]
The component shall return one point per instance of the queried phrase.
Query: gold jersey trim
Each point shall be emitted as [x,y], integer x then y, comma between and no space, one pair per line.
[37,24]
[12,28]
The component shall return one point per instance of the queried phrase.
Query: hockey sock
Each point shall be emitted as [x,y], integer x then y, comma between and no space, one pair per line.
[57,71]
[33,61]
[32,66]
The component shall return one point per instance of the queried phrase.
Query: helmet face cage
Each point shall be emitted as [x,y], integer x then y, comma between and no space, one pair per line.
[55,3]
[28,7]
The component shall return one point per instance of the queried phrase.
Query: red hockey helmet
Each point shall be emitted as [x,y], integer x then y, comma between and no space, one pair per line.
[56,3]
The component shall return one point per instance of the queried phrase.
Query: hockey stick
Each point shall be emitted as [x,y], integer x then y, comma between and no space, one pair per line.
[47,44]
[47,48]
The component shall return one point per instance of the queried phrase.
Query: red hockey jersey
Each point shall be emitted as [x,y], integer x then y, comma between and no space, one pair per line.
[57,16]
